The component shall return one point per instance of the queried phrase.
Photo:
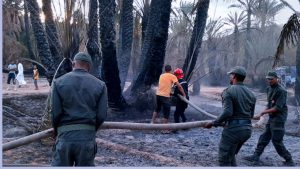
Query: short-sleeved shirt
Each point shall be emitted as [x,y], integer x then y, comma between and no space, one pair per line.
[12,68]
[36,74]
[277,96]
[166,81]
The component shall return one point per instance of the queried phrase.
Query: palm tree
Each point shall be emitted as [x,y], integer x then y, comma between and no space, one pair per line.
[180,32]
[144,10]
[110,71]
[266,10]
[93,46]
[236,21]
[196,38]
[136,44]
[154,46]
[290,34]
[27,31]
[52,33]
[213,35]
[72,31]
[248,7]
[40,36]
[126,35]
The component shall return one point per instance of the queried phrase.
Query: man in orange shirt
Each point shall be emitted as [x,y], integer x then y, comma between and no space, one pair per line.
[163,93]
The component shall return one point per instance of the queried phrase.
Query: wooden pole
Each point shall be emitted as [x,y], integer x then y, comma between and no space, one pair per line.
[107,125]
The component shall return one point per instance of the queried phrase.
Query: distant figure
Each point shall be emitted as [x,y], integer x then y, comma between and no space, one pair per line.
[275,130]
[78,108]
[11,76]
[36,77]
[20,75]
[238,110]
[180,105]
[166,81]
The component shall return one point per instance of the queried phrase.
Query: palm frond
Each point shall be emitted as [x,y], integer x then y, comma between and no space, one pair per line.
[289,35]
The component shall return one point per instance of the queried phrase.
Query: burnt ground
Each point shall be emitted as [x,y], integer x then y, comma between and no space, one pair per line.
[188,148]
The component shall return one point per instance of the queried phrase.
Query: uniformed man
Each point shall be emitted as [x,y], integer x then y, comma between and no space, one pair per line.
[78,108]
[238,109]
[277,111]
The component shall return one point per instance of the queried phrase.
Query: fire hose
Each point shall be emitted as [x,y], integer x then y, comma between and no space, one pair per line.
[116,125]
[106,125]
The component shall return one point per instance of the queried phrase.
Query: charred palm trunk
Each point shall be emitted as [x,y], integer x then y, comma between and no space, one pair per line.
[126,32]
[110,71]
[154,45]
[297,84]
[27,30]
[248,39]
[40,35]
[196,39]
[93,46]
[236,46]
[146,13]
[136,46]
[52,34]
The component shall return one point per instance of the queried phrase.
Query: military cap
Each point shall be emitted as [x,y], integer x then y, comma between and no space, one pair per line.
[83,57]
[271,75]
[238,70]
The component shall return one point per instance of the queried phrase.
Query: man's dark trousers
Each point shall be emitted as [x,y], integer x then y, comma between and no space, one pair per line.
[232,140]
[75,148]
[274,132]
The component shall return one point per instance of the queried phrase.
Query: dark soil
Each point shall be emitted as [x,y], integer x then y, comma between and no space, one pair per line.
[189,148]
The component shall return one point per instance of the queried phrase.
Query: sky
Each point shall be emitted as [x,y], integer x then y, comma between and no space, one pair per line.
[219,8]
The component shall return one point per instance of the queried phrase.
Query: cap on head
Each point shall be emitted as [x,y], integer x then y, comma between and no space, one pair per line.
[83,57]
[238,70]
[271,75]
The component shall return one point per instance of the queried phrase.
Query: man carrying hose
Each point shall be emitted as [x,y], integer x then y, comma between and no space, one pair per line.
[238,104]
[78,108]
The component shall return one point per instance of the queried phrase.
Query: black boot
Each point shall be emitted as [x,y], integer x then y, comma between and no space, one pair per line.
[252,158]
[289,162]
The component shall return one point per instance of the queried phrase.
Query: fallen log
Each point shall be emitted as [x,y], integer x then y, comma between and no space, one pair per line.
[196,107]
[107,125]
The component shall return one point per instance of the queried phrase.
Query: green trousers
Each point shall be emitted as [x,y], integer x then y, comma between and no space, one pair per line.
[75,148]
[274,132]
[231,142]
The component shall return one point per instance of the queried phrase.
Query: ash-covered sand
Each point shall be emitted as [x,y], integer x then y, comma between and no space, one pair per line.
[188,148]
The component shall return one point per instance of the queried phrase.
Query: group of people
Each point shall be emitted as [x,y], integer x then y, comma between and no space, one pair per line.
[163,95]
[238,110]
[18,80]
[79,106]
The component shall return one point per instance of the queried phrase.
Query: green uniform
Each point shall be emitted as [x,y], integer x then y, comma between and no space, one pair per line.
[238,104]
[275,130]
[78,108]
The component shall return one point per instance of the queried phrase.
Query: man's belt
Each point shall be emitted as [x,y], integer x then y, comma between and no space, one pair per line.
[72,127]
[239,122]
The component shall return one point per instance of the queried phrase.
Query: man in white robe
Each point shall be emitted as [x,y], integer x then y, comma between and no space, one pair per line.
[20,75]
